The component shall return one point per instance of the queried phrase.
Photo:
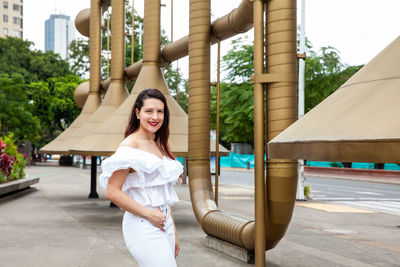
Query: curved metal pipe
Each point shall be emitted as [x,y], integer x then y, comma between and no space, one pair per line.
[281,112]
[237,21]
[214,222]
[82,19]
[281,174]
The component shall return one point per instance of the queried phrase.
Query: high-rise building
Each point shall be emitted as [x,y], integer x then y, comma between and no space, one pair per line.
[59,33]
[11,18]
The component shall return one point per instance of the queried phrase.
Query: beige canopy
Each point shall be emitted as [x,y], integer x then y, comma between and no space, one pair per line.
[360,122]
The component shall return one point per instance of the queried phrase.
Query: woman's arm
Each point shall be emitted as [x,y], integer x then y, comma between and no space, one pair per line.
[122,200]
[177,246]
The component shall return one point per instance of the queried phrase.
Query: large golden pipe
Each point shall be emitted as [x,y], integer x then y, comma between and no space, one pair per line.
[281,112]
[95,48]
[237,21]
[152,39]
[259,189]
[213,221]
[282,174]
[117,92]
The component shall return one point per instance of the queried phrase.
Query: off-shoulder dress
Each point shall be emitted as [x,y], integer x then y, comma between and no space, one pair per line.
[152,185]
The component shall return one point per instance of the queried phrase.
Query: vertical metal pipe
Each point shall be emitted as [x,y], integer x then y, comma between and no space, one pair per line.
[259,134]
[117,91]
[108,45]
[217,126]
[281,58]
[152,38]
[172,21]
[133,33]
[95,47]
[93,100]
[199,105]
[118,42]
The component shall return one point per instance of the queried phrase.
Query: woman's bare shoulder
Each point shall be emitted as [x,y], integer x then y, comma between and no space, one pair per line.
[130,141]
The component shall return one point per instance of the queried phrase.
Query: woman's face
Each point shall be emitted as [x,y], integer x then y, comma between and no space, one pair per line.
[151,115]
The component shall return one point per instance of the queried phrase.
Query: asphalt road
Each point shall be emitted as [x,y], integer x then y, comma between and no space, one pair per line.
[378,197]
[371,196]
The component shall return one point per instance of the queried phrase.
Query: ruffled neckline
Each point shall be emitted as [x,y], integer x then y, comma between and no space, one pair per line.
[141,150]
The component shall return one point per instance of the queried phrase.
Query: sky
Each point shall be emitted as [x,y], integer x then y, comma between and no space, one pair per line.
[359,29]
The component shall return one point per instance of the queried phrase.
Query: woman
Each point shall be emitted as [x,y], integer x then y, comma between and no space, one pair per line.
[139,178]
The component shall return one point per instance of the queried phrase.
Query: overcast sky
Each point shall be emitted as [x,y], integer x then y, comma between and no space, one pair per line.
[359,29]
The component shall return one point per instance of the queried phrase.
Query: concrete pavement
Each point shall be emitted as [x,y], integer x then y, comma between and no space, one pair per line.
[55,224]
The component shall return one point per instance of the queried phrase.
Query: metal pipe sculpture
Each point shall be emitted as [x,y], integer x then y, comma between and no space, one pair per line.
[281,77]
[239,20]
[117,92]
[62,143]
[150,76]
[281,112]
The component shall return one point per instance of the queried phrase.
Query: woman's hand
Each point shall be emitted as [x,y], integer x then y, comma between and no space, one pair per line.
[177,246]
[157,218]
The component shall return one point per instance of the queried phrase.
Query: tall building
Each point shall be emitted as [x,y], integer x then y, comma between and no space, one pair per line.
[11,18]
[59,33]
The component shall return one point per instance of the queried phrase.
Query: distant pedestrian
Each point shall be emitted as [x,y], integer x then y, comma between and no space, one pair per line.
[139,178]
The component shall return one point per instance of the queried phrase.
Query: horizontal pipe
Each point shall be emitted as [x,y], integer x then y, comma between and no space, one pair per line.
[239,20]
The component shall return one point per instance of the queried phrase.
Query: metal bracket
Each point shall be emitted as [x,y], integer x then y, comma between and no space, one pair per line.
[302,56]
[273,78]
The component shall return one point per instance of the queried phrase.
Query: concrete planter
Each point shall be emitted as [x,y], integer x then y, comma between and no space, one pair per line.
[17,185]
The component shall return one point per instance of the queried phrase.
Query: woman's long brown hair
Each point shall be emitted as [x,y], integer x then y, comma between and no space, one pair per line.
[161,136]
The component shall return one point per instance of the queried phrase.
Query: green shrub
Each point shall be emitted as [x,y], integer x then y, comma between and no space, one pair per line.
[307,192]
[12,163]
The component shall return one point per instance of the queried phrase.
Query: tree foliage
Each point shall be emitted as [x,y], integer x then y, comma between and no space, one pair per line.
[16,56]
[324,74]
[79,55]
[236,95]
[16,114]
[36,92]
[54,105]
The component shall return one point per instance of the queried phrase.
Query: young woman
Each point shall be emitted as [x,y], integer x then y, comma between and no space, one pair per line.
[139,178]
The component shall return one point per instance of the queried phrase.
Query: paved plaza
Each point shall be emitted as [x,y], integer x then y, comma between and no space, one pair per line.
[54,224]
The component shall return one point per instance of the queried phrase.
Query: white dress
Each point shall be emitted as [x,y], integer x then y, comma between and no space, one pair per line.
[151,185]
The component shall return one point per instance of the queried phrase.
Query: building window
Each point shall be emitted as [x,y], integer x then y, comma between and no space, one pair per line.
[16,33]
[15,7]
[5,18]
[5,31]
[16,20]
[5,4]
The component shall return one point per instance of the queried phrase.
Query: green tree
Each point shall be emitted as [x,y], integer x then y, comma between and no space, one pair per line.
[16,56]
[236,95]
[79,55]
[16,114]
[54,105]
[324,74]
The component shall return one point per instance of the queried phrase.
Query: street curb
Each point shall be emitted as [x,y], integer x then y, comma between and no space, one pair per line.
[365,175]
[353,171]
[17,185]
